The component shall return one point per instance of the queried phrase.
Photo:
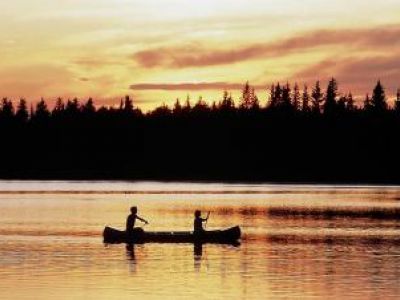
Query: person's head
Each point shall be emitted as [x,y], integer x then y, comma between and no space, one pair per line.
[134,210]
[197,213]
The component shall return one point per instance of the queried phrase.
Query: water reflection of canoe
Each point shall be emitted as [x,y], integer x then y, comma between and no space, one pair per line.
[227,236]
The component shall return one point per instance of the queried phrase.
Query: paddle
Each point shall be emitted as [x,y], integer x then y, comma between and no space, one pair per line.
[208,215]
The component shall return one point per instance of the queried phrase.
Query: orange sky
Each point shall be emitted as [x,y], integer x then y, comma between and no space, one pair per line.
[158,50]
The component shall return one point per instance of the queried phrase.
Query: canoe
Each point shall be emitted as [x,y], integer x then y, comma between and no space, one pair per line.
[139,236]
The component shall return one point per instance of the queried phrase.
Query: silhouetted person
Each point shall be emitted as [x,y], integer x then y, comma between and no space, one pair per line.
[130,221]
[198,222]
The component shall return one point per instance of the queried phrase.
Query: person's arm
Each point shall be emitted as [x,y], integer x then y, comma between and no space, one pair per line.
[204,220]
[141,219]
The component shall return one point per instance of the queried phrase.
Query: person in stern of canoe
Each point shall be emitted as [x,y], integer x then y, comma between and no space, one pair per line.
[198,222]
[130,221]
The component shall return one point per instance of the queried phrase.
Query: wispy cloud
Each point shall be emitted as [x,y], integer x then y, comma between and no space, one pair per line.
[357,74]
[185,86]
[96,62]
[194,55]
[24,81]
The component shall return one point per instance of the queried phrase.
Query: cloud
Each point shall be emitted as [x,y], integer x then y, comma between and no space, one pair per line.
[35,81]
[51,81]
[185,86]
[197,56]
[357,74]
[95,62]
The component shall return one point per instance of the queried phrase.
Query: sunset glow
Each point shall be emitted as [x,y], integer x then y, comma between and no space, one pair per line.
[157,51]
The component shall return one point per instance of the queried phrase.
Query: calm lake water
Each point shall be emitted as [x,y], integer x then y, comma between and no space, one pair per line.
[299,242]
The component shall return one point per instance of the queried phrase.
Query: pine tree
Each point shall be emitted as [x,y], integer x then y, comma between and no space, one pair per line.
[305,98]
[245,100]
[227,101]
[249,99]
[286,99]
[89,108]
[59,108]
[397,101]
[177,110]
[367,103]
[296,97]
[22,114]
[214,106]
[201,106]
[378,101]
[350,102]
[341,104]
[317,97]
[255,104]
[7,109]
[272,98]
[128,105]
[225,98]
[331,95]
[72,108]
[42,113]
[187,108]
[278,95]
[31,111]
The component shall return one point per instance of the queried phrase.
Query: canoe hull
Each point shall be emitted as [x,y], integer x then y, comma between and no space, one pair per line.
[227,236]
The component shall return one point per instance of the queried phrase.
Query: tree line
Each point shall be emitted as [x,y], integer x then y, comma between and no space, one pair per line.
[282,98]
[300,135]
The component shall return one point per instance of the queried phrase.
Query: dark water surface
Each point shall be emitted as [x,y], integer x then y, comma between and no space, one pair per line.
[308,242]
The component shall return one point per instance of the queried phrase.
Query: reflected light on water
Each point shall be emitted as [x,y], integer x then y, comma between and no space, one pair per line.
[298,242]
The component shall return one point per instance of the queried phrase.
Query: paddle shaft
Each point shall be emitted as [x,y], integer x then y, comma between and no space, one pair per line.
[208,215]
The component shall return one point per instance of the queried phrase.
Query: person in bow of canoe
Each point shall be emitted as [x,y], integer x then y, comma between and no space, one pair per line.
[130,221]
[198,222]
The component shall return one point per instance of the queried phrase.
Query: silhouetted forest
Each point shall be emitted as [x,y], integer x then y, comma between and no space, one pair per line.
[302,135]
